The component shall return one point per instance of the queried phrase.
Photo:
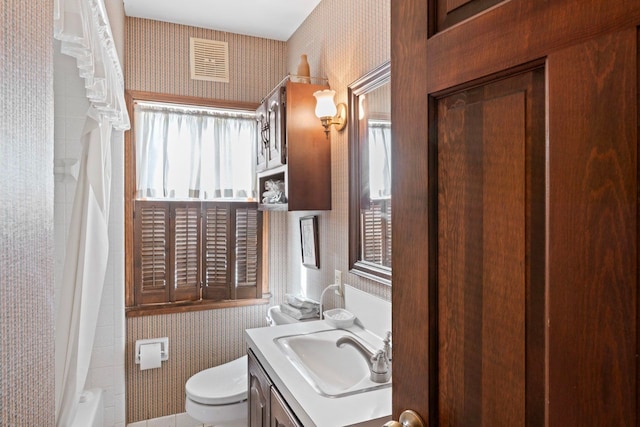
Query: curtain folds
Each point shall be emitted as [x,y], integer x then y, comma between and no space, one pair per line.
[183,154]
[83,28]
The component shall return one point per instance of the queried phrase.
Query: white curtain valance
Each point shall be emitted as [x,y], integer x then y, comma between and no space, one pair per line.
[190,153]
[83,28]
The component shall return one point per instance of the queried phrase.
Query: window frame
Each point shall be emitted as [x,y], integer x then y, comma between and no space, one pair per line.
[130,196]
[357,173]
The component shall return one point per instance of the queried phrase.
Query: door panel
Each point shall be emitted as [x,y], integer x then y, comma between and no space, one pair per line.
[593,217]
[485,139]
[451,12]
[515,182]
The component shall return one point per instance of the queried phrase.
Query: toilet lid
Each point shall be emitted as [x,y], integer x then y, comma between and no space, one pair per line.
[219,385]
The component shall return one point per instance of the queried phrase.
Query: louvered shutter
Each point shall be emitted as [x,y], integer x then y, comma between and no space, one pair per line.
[387,236]
[376,232]
[247,253]
[151,246]
[216,225]
[185,251]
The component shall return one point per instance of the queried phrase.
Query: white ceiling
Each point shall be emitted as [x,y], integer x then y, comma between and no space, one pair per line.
[271,19]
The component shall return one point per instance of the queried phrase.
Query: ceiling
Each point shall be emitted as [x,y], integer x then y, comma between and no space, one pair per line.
[271,19]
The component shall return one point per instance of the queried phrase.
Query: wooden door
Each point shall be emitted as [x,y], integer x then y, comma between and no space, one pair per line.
[515,290]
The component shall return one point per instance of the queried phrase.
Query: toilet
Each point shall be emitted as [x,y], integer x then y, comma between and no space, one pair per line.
[218,395]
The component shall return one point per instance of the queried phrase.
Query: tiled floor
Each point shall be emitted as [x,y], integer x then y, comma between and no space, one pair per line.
[176,420]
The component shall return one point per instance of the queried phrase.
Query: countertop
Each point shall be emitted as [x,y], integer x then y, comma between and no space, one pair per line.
[371,408]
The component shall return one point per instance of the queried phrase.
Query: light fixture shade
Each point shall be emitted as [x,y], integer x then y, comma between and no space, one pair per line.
[325,107]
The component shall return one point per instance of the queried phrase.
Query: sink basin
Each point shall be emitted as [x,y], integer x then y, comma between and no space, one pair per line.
[331,371]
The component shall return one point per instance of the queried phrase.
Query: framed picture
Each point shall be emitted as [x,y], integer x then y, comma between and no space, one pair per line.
[309,241]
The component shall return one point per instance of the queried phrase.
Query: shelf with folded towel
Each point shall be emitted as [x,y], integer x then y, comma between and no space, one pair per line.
[300,307]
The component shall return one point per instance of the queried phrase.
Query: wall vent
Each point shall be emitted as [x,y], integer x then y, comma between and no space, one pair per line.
[209,60]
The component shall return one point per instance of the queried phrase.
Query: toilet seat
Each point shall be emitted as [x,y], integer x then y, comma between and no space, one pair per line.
[221,385]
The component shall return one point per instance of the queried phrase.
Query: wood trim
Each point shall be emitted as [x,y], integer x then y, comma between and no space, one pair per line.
[264,273]
[129,194]
[467,44]
[365,84]
[413,287]
[190,306]
[135,95]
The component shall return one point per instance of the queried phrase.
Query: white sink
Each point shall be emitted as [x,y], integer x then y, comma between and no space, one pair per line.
[331,371]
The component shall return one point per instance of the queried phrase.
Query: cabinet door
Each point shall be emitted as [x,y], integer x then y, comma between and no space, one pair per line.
[281,416]
[277,126]
[259,394]
[262,137]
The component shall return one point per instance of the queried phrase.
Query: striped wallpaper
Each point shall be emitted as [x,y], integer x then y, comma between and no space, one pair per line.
[343,40]
[157,60]
[27,395]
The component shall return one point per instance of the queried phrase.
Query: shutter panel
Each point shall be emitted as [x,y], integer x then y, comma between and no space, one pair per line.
[186,251]
[372,233]
[376,232]
[216,225]
[247,254]
[151,251]
[386,242]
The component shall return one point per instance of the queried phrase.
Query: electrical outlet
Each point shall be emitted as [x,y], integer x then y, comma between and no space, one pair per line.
[337,279]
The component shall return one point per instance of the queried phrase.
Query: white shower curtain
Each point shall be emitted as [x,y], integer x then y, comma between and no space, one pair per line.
[84,269]
[83,28]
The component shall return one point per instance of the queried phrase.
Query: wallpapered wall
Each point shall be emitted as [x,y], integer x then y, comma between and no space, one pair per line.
[157,60]
[343,41]
[26,214]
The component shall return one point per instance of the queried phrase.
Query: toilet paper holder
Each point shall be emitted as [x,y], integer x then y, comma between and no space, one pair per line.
[164,347]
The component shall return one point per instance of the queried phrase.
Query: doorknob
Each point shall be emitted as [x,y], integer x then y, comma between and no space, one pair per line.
[408,418]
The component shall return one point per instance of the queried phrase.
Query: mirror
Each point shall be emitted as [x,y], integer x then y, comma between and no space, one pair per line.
[370,175]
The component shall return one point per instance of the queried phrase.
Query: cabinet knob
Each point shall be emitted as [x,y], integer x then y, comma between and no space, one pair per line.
[408,418]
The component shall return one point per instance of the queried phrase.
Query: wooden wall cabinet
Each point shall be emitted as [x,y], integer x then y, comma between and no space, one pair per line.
[266,406]
[293,148]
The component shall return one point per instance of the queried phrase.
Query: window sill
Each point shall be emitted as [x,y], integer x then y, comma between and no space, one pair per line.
[187,306]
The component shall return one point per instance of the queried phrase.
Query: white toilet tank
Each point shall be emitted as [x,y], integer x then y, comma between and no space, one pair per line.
[276,317]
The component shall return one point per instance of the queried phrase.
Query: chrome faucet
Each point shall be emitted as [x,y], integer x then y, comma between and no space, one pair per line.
[378,363]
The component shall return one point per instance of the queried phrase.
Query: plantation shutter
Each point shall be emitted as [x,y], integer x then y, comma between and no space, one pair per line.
[151,244]
[185,251]
[247,253]
[216,225]
[376,232]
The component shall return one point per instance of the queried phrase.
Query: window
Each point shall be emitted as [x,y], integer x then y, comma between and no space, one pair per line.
[195,235]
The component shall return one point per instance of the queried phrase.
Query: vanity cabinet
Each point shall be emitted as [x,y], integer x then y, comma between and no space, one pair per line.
[266,406]
[293,150]
[281,415]
[259,394]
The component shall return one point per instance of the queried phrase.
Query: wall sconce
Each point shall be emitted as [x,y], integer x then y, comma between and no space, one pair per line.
[327,111]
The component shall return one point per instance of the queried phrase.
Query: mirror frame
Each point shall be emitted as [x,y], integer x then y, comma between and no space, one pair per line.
[367,83]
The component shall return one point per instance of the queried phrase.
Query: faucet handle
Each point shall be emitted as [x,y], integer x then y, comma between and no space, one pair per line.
[387,345]
[379,363]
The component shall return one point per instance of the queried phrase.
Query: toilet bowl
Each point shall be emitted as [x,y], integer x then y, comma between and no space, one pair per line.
[218,395]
